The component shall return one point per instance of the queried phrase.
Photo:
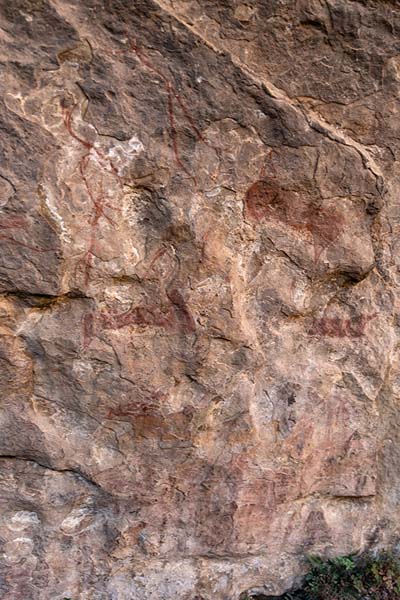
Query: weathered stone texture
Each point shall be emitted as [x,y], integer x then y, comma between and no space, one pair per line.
[199,293]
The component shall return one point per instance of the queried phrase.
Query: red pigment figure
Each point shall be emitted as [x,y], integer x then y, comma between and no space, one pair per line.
[341,327]
[137,408]
[177,312]
[98,198]
[150,315]
[88,329]
[173,96]
[267,200]
[171,317]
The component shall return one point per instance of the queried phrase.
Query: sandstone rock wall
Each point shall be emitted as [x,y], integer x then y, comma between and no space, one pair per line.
[199,293]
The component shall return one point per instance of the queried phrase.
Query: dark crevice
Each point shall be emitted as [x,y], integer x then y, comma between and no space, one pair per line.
[39,299]
[76,472]
[353,498]
[259,596]
[9,182]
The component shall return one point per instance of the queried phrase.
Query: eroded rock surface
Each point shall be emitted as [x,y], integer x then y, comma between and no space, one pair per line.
[199,293]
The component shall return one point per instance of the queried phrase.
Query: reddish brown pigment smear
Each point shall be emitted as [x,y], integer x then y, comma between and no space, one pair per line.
[182,312]
[8,223]
[268,159]
[341,327]
[27,246]
[13,222]
[88,329]
[149,422]
[265,200]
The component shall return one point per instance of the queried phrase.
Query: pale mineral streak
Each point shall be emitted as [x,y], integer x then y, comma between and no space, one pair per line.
[199,278]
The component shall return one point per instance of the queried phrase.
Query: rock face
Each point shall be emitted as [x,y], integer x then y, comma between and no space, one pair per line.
[199,293]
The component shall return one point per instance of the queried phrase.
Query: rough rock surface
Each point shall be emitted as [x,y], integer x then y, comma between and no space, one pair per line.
[199,293]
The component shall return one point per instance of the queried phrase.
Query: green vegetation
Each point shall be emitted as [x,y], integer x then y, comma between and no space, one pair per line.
[352,578]
[363,577]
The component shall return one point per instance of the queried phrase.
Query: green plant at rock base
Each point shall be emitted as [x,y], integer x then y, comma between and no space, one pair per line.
[363,577]
[353,577]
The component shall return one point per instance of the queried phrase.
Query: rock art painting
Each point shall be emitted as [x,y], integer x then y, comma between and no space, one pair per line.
[199,267]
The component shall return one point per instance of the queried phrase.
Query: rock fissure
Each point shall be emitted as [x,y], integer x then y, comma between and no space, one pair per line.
[273,91]
[48,467]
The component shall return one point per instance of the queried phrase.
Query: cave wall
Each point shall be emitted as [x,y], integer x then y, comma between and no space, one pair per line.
[199,293]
